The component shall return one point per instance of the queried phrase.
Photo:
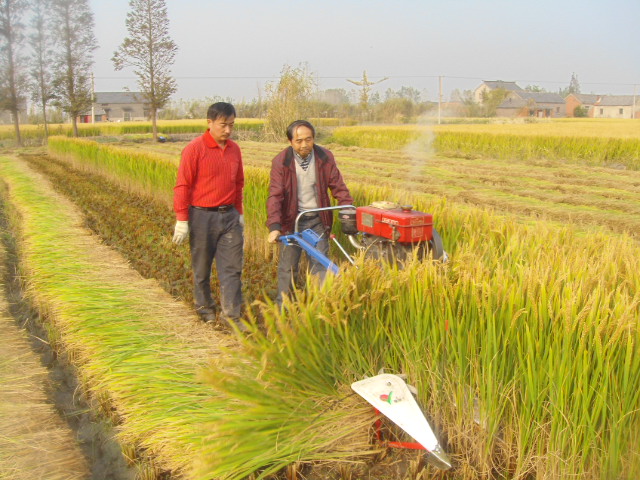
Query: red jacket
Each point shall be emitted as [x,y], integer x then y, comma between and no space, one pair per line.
[282,204]
[208,176]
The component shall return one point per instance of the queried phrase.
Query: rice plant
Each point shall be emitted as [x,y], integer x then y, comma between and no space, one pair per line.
[524,348]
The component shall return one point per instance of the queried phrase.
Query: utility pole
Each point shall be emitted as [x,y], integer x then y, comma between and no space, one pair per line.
[439,98]
[93,99]
[633,110]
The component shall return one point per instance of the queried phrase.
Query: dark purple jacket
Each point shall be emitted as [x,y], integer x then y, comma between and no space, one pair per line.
[282,204]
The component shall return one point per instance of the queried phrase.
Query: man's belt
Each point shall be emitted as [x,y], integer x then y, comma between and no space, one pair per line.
[220,208]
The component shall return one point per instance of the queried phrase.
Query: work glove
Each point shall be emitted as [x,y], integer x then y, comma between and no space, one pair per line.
[241,220]
[273,236]
[181,232]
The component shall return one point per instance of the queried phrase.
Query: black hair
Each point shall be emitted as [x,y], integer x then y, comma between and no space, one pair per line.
[299,123]
[221,109]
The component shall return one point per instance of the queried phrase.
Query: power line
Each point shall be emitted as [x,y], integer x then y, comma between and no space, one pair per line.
[346,77]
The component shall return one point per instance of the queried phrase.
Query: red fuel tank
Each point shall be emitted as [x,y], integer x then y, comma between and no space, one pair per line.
[401,224]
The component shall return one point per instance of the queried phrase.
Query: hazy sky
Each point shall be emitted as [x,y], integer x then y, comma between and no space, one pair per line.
[230,49]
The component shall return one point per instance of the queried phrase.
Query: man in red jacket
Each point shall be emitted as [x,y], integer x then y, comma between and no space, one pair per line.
[208,205]
[300,177]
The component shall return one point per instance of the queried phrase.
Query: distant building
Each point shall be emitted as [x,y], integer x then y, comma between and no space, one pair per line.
[489,85]
[532,104]
[117,107]
[588,101]
[604,106]
[617,106]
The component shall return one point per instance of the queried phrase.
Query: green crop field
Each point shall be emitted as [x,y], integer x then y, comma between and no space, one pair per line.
[524,347]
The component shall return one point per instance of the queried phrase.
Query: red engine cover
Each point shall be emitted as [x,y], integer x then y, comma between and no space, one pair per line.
[408,226]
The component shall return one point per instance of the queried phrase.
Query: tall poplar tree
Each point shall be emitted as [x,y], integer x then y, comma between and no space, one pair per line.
[73,28]
[151,52]
[12,78]
[41,42]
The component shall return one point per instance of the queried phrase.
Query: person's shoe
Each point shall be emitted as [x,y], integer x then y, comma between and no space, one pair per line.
[207,315]
[239,324]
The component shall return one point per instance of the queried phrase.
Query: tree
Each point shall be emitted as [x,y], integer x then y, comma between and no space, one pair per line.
[151,52]
[287,99]
[581,111]
[12,79]
[574,86]
[73,27]
[410,93]
[41,58]
[492,99]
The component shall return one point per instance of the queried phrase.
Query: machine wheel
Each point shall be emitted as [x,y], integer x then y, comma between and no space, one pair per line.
[435,245]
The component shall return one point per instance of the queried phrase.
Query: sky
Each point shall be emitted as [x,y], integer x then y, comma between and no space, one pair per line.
[232,49]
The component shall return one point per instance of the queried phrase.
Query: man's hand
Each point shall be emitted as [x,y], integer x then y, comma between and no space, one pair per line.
[181,232]
[241,220]
[273,236]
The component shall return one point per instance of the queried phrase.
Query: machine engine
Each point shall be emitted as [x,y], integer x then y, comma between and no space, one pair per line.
[393,232]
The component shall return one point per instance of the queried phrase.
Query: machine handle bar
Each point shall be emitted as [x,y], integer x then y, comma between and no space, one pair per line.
[311,210]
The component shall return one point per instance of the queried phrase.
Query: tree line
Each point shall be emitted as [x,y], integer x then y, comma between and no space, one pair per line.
[53,66]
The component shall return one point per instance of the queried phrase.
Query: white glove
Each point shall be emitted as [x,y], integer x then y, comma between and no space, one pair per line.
[181,232]
[273,236]
[241,220]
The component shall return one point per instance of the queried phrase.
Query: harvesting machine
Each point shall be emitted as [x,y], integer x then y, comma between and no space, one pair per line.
[383,230]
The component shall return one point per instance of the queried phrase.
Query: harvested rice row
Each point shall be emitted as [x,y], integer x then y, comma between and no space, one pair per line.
[135,347]
[34,441]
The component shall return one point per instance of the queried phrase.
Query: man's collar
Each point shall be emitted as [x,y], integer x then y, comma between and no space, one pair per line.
[300,159]
[210,142]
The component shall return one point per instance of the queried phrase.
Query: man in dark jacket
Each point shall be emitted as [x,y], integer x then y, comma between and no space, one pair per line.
[300,177]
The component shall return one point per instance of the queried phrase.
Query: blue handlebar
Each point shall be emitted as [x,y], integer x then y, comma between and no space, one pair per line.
[307,240]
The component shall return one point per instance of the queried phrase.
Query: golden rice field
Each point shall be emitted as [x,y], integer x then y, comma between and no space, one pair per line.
[166,127]
[524,347]
[541,190]
[604,142]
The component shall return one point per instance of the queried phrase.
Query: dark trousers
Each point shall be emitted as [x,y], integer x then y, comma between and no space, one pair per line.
[290,257]
[216,236]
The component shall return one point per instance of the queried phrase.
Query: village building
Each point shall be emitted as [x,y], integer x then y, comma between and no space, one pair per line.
[490,85]
[604,106]
[617,106]
[532,104]
[117,107]
[587,101]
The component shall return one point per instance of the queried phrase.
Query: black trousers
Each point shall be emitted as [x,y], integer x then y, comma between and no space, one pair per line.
[220,237]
